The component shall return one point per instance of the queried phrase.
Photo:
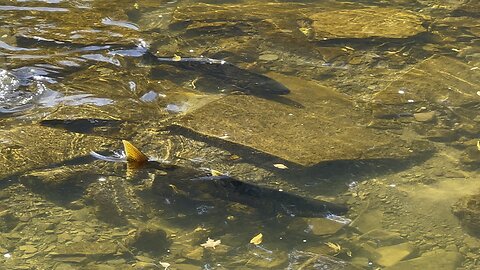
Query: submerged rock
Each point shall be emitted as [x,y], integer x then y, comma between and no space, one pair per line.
[382,237]
[308,260]
[438,79]
[310,125]
[150,238]
[316,226]
[438,259]
[424,116]
[373,22]
[92,250]
[227,16]
[265,259]
[471,157]
[31,146]
[467,209]
[8,221]
[115,200]
[391,255]
[439,82]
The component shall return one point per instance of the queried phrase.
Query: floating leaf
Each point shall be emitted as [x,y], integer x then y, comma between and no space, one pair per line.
[257,240]
[280,166]
[478,145]
[211,243]
[165,265]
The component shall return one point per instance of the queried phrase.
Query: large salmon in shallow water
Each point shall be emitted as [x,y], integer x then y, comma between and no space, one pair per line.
[245,81]
[201,185]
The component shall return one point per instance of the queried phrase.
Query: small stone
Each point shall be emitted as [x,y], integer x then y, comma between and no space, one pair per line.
[360,261]
[119,261]
[382,237]
[368,221]
[64,266]
[391,255]
[150,238]
[64,237]
[85,249]
[182,266]
[28,248]
[71,259]
[144,259]
[268,57]
[260,261]
[451,247]
[103,267]
[323,226]
[49,248]
[4,195]
[425,116]
[77,238]
[195,254]
[45,226]
[145,266]
[89,230]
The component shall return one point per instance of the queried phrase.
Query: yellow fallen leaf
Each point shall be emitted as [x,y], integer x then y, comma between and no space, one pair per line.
[257,239]
[478,145]
[216,173]
[176,58]
[280,166]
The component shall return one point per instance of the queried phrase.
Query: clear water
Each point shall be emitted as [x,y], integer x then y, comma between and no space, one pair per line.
[382,118]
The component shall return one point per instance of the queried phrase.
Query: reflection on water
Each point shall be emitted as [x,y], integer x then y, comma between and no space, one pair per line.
[358,103]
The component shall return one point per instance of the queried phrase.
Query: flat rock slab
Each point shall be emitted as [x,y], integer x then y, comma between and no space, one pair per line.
[391,255]
[432,260]
[371,22]
[243,12]
[95,249]
[438,79]
[312,124]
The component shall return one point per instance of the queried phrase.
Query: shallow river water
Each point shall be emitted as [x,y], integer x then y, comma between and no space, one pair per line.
[281,134]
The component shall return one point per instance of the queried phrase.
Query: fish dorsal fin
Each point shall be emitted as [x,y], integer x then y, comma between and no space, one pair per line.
[133,154]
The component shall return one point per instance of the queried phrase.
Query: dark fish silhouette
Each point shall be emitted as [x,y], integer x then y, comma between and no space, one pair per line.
[204,185]
[84,125]
[243,80]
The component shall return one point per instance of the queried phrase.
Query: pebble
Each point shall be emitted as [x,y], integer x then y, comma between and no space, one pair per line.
[268,57]
[4,195]
[28,248]
[424,116]
[89,230]
[144,259]
[145,265]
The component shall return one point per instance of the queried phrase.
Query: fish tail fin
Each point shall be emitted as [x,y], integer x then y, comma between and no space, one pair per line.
[134,155]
